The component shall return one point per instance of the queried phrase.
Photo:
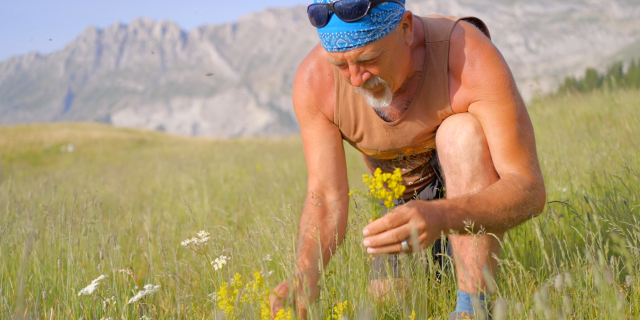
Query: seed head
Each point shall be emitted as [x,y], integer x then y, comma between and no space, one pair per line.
[88,290]
[612,261]
[500,310]
[148,289]
[567,306]
[597,279]
[608,276]
[559,282]
[488,279]
[568,280]
[622,299]
[628,281]
[544,293]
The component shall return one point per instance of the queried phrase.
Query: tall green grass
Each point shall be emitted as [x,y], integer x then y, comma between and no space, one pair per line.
[125,199]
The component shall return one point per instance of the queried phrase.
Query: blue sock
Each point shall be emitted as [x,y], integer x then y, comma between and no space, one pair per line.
[464,302]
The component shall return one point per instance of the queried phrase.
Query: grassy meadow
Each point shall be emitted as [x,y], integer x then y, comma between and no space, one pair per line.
[78,201]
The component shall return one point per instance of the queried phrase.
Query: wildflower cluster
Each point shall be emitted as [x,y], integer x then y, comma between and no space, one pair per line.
[385,186]
[254,295]
[339,310]
[148,289]
[197,244]
[283,314]
[219,262]
[108,302]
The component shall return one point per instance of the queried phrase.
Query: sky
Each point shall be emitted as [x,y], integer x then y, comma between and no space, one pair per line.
[46,26]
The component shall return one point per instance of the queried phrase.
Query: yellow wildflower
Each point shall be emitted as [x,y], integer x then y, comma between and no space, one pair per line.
[338,311]
[226,301]
[385,186]
[283,314]
[254,296]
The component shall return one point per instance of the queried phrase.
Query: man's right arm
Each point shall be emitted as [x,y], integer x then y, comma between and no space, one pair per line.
[324,216]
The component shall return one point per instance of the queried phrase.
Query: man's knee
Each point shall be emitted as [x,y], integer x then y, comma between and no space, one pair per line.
[464,155]
[459,132]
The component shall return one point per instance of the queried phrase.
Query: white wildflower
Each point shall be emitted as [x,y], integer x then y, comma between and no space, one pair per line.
[213,296]
[148,289]
[267,258]
[266,274]
[196,243]
[146,318]
[203,235]
[219,262]
[88,290]
[111,301]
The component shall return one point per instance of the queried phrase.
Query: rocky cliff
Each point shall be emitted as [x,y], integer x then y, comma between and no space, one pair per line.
[235,79]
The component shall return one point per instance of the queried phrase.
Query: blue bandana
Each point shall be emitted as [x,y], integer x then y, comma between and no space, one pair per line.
[340,36]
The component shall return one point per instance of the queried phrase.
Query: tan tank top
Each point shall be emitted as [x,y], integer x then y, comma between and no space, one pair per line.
[409,142]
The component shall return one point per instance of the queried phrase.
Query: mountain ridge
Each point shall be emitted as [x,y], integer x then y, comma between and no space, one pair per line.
[235,79]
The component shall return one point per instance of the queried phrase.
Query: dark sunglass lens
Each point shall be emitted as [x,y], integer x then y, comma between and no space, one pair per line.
[318,15]
[351,10]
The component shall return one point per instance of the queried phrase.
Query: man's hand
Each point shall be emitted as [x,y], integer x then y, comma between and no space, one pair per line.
[282,292]
[385,235]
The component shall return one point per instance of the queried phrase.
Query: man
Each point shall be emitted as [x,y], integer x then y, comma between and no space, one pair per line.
[433,97]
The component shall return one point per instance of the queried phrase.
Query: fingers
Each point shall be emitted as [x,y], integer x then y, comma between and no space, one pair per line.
[389,237]
[278,297]
[396,248]
[393,219]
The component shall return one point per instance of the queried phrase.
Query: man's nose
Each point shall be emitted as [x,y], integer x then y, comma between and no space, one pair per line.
[358,76]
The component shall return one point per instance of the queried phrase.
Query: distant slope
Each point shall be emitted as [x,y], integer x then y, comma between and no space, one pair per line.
[235,79]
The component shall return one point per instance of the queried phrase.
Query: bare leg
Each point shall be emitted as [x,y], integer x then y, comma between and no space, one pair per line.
[467,166]
[384,289]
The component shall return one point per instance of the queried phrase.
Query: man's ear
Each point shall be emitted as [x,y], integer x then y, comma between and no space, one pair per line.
[406,27]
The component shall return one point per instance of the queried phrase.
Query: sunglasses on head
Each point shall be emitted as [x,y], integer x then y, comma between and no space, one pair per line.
[346,10]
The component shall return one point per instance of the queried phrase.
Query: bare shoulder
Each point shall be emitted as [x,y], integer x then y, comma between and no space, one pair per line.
[476,67]
[313,86]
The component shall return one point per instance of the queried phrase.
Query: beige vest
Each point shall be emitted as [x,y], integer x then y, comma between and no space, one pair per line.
[409,142]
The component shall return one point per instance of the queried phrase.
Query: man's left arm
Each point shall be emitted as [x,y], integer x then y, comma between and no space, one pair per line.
[489,93]
[483,86]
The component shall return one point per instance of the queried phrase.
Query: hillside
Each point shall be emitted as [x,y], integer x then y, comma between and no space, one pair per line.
[235,79]
[84,200]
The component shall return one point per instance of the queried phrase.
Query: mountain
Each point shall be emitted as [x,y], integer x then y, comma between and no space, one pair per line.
[235,79]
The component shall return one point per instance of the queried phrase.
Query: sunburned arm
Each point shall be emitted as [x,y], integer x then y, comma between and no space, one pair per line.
[324,216]
[482,85]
